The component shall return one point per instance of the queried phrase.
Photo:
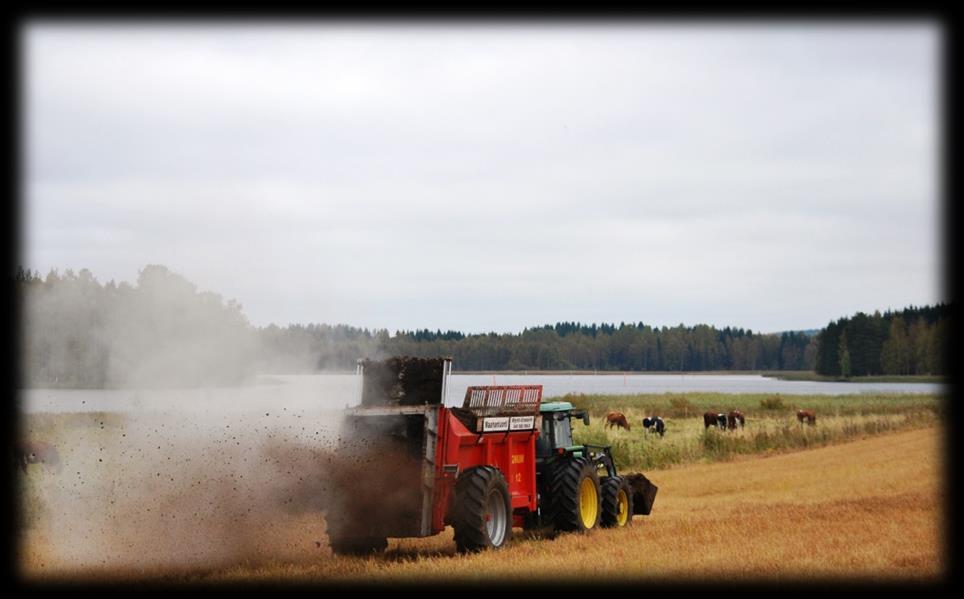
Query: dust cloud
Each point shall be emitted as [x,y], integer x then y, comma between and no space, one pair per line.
[184,467]
[162,491]
[163,332]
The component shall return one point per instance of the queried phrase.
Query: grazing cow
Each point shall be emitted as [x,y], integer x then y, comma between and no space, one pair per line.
[654,424]
[616,419]
[735,418]
[807,415]
[714,419]
[37,452]
[709,419]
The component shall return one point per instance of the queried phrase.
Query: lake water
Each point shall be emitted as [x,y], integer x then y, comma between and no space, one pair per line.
[312,393]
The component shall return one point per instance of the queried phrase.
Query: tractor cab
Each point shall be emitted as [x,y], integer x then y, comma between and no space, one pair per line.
[556,430]
[555,438]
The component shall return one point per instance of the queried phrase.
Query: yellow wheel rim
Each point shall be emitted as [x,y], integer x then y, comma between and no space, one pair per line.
[622,505]
[588,502]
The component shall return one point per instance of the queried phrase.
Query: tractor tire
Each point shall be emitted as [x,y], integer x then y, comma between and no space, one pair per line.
[358,545]
[617,502]
[574,496]
[482,517]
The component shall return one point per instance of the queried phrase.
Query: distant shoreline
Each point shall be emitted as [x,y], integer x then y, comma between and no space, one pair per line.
[783,375]
[807,375]
[575,372]
[271,379]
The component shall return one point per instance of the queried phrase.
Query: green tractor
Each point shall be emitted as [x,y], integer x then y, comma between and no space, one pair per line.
[578,485]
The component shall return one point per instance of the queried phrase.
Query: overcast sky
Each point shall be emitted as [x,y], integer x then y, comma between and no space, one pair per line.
[493,177]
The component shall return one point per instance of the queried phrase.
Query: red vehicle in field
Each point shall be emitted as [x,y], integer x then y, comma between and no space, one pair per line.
[502,459]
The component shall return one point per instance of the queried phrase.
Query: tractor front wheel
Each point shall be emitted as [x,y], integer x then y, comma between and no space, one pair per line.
[482,518]
[617,502]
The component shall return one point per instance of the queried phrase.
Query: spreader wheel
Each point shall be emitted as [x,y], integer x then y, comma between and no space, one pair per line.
[617,502]
[483,511]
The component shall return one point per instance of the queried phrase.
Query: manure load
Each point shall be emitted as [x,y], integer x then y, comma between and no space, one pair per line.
[403,380]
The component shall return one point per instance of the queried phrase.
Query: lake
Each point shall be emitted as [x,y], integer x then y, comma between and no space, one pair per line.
[310,393]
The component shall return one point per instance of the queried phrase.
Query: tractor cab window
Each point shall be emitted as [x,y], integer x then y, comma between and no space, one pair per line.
[556,432]
[563,430]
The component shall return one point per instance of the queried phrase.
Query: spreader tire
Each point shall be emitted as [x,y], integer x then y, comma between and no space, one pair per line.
[573,504]
[617,502]
[482,518]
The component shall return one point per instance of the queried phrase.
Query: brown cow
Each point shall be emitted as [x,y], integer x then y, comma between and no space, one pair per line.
[734,418]
[37,452]
[807,415]
[616,419]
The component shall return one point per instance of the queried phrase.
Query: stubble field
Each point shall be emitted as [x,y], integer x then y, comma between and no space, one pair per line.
[867,509]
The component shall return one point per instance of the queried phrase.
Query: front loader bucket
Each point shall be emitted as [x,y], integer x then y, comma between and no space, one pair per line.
[644,493]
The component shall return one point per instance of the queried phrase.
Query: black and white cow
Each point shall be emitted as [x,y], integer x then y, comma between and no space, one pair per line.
[712,419]
[654,424]
[722,421]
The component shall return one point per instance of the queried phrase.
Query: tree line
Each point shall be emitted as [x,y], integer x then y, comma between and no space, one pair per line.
[567,346]
[910,341]
[563,346]
[159,332]
[163,331]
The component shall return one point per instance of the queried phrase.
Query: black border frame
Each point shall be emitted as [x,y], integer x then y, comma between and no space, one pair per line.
[744,15]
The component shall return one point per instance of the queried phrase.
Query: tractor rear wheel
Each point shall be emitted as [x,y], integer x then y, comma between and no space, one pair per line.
[617,502]
[482,517]
[357,545]
[573,495]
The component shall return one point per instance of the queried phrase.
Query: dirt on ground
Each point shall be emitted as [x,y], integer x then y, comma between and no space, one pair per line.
[173,490]
[169,492]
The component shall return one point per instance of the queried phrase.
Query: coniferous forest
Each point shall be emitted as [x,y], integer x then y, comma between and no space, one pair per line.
[163,331]
[909,341]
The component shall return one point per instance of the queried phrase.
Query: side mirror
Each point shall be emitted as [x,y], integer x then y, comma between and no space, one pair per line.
[585,418]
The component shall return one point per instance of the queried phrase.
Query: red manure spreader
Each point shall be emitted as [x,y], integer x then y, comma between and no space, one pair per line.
[503,459]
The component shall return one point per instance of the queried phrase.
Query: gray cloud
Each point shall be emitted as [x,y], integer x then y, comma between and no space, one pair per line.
[485,178]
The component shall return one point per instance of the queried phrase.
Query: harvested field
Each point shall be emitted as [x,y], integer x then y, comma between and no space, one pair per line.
[870,509]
